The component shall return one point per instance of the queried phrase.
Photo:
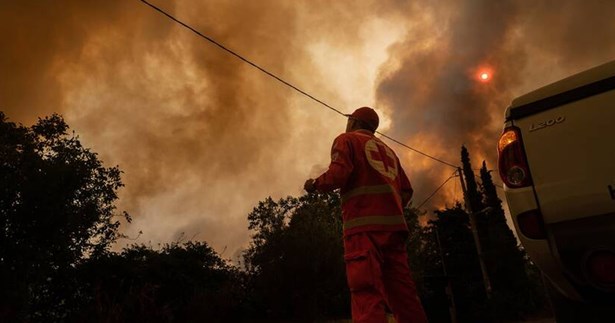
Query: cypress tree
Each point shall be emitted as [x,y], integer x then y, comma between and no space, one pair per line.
[491,199]
[458,252]
[474,197]
[513,294]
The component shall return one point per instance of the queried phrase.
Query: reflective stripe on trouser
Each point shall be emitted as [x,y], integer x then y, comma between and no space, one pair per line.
[378,275]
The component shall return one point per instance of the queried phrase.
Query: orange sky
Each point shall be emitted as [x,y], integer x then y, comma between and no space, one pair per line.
[202,137]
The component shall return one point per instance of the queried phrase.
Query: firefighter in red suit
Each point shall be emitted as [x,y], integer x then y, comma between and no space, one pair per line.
[374,190]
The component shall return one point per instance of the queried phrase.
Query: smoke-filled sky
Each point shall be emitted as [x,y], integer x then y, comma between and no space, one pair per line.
[202,137]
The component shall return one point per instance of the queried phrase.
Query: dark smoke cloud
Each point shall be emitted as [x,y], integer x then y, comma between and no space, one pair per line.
[202,137]
[202,132]
[40,38]
[433,89]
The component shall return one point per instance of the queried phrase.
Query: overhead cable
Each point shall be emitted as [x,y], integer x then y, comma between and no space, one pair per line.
[415,150]
[230,51]
[279,79]
[437,189]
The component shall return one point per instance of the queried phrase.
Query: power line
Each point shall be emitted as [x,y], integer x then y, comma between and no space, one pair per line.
[415,150]
[437,189]
[444,183]
[230,51]
[279,79]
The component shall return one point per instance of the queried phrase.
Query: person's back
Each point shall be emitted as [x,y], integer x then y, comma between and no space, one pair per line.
[371,194]
[374,189]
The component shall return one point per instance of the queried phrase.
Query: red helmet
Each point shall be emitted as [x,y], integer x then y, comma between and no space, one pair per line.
[367,115]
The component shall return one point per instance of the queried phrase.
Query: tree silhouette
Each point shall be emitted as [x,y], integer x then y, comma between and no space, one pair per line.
[474,196]
[56,207]
[474,203]
[514,294]
[458,252]
[180,282]
[295,259]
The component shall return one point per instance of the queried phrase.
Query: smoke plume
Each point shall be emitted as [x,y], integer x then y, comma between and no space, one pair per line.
[431,80]
[202,137]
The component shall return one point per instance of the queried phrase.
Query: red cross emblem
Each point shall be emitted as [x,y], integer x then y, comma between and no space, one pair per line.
[381,158]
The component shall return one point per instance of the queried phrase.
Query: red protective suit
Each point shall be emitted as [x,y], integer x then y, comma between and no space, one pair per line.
[374,189]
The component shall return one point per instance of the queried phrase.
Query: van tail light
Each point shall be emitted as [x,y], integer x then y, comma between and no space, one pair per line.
[600,267]
[531,224]
[512,163]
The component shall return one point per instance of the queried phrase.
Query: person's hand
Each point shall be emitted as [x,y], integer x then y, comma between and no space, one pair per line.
[309,186]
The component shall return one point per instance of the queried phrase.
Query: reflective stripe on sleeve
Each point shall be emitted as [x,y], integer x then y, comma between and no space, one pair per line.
[374,219]
[364,190]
